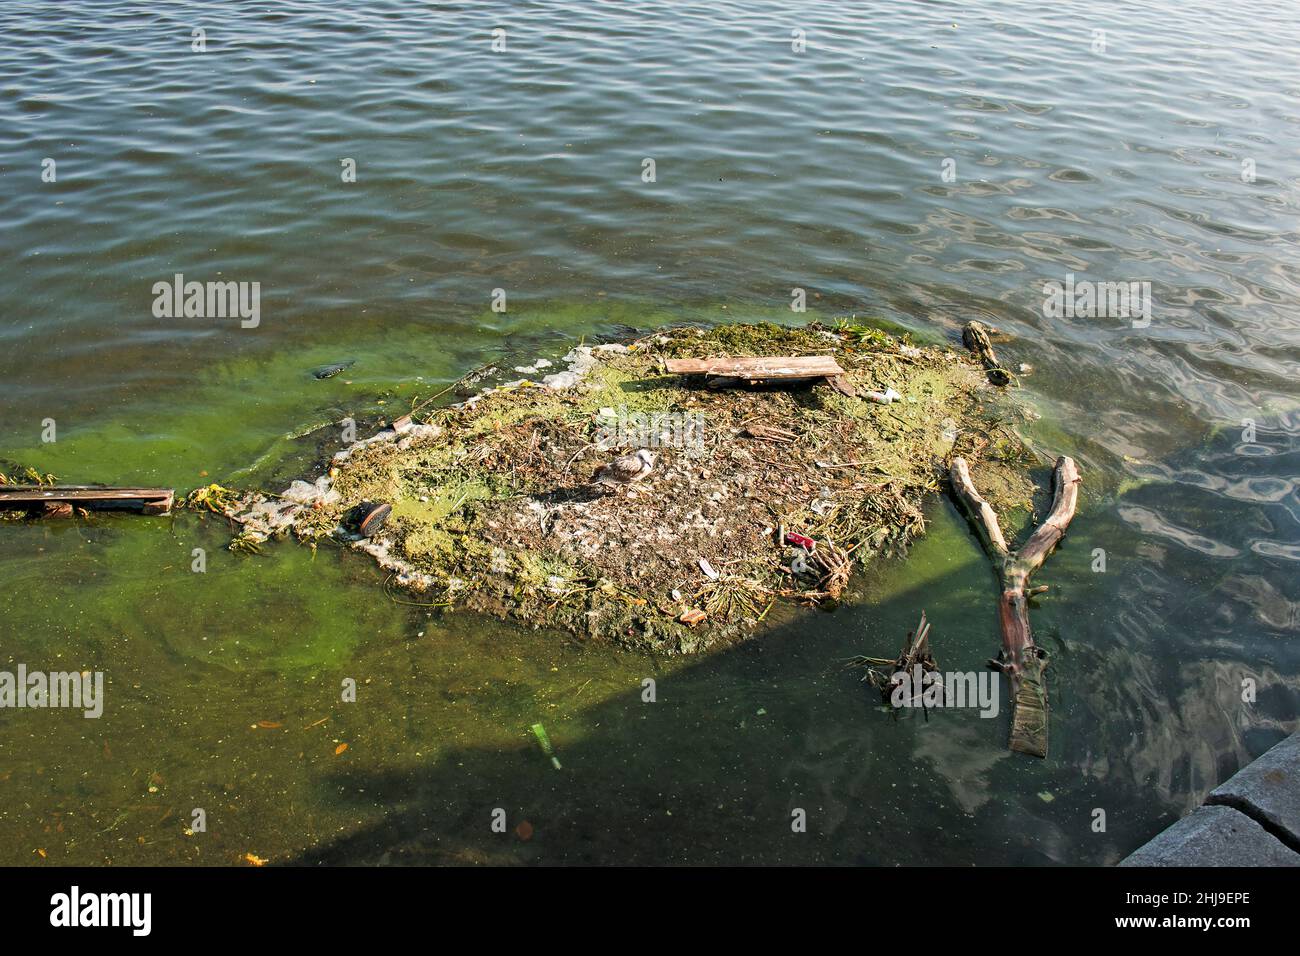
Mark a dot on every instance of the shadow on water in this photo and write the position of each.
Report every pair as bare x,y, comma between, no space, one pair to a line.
1150,655
714,769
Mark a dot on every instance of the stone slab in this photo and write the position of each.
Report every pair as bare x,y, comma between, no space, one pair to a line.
1268,790
1214,836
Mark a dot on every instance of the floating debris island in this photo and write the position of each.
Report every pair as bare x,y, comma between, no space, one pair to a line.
754,490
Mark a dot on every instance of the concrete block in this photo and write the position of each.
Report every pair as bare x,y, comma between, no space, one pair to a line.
1268,791
1214,836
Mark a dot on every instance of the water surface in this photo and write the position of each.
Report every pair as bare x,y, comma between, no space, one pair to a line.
521,170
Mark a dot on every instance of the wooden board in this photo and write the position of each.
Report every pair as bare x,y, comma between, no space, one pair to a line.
27,497
760,368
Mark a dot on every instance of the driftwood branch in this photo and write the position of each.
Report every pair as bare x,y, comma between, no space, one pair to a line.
978,508
1021,660
978,337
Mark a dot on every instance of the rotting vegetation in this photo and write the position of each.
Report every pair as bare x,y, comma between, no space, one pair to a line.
12,473
494,510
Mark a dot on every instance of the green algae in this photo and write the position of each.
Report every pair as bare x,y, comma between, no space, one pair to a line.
126,589
193,660
261,416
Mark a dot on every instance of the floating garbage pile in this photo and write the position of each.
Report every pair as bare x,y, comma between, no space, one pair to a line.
754,492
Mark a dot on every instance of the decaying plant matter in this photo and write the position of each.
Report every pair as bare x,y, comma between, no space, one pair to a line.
758,494
887,675
978,337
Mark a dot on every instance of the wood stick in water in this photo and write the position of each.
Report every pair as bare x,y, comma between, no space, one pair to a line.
1020,659
977,338
150,501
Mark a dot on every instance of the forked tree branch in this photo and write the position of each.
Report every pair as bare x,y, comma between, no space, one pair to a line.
1020,659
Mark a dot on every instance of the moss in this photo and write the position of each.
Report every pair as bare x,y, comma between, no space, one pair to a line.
608,385
429,544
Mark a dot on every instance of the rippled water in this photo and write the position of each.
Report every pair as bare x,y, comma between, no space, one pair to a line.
1167,157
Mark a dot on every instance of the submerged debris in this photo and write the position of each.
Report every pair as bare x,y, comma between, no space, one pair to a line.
778,489
46,498
892,676
329,371
544,741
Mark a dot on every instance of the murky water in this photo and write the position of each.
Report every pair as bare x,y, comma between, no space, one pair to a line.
1168,157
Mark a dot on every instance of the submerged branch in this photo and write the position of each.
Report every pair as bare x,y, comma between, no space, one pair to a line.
1021,660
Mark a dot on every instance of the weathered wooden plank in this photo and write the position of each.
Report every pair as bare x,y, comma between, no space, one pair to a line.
26,497
38,493
759,367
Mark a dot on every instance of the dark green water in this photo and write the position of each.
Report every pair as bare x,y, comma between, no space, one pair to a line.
522,170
